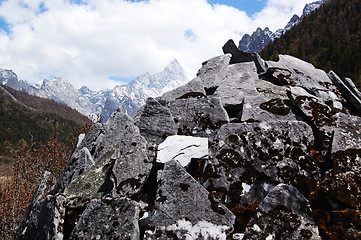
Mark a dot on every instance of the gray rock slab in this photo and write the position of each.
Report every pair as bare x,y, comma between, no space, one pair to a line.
273,152
195,86
199,116
213,71
266,109
183,206
340,183
315,111
295,72
155,122
108,219
347,93
239,81
284,214
350,84
239,56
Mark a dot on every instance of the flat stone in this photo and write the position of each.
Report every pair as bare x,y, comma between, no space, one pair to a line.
266,109
108,219
239,56
295,72
199,116
284,214
195,86
239,81
349,94
184,206
182,149
213,71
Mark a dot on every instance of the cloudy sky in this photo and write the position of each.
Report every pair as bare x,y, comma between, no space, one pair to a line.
99,43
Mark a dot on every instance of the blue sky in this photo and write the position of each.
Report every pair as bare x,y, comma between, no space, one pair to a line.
103,42
250,6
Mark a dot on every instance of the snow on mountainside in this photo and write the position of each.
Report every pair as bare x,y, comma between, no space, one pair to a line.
128,97
260,38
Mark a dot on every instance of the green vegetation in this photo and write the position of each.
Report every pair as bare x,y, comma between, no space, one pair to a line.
329,38
38,121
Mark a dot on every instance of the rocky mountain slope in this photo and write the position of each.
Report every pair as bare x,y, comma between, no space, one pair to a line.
320,41
260,38
130,96
249,149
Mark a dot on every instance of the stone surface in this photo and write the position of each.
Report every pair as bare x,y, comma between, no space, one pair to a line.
108,219
182,201
195,86
155,122
347,93
315,111
213,71
239,82
182,149
239,56
259,109
268,89
295,72
198,116
284,214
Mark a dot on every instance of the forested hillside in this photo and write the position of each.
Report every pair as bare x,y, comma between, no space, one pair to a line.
329,38
27,120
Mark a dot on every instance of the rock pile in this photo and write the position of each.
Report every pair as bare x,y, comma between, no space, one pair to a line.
249,149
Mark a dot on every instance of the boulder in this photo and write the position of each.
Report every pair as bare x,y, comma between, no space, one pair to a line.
155,122
108,219
184,208
341,183
268,89
239,56
213,72
239,81
315,112
284,214
182,149
295,72
194,87
199,116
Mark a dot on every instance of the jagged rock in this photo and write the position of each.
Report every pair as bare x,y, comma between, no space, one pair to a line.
239,82
315,111
198,116
194,87
45,220
284,214
295,72
342,181
108,219
273,152
79,160
349,83
239,56
213,72
347,93
266,109
155,122
184,208
182,149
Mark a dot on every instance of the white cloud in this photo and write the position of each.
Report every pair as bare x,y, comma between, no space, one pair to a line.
89,43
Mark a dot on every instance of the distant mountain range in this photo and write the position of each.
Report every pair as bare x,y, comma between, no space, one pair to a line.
260,38
127,97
